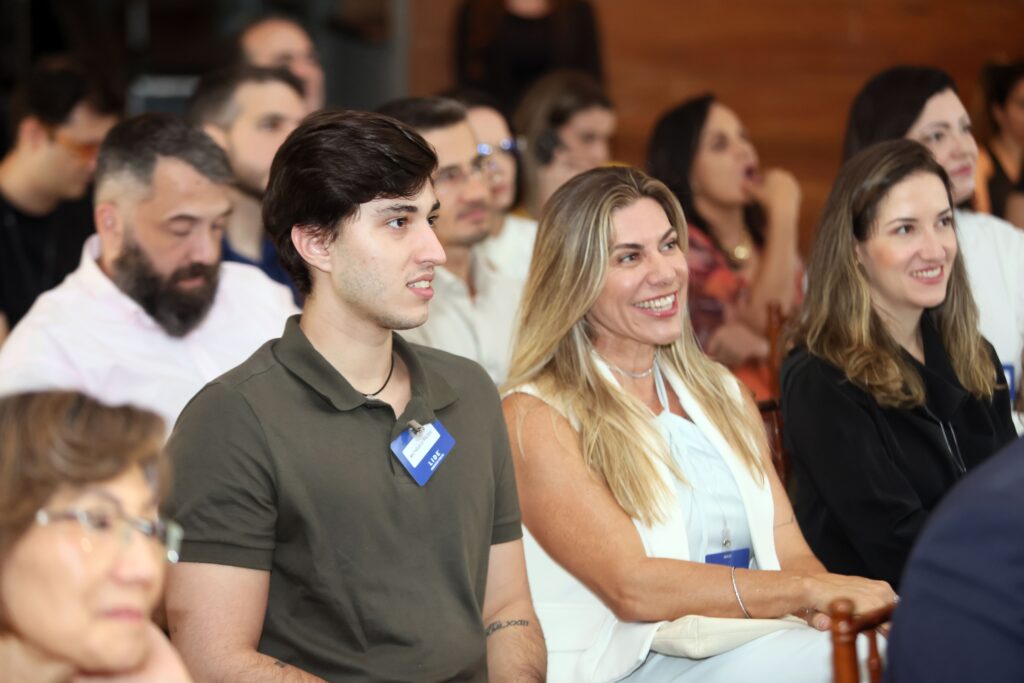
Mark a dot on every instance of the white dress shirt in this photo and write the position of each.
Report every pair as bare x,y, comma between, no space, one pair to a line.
993,252
479,328
511,250
88,335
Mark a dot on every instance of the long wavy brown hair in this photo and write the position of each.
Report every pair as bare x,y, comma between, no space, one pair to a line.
554,346
838,322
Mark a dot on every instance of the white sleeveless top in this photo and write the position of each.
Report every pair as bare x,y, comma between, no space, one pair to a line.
586,642
709,500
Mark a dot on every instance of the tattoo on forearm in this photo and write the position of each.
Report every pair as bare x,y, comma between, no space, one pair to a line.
498,625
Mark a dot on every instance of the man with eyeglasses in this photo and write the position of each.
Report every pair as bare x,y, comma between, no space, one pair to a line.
473,314
509,245
59,115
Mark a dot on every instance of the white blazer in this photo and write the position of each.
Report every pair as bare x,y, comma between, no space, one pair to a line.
586,642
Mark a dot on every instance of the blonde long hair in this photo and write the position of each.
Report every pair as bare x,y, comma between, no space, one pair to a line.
554,345
838,322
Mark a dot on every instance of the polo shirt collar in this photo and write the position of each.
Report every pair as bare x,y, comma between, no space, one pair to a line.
295,352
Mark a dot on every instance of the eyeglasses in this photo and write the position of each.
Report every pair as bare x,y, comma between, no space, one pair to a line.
507,145
85,151
454,178
105,526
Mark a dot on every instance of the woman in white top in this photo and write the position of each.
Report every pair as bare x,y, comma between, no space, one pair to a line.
643,474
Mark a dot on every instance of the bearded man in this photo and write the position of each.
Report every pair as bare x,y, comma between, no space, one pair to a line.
151,314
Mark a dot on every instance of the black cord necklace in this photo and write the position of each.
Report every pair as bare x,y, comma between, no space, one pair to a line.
386,379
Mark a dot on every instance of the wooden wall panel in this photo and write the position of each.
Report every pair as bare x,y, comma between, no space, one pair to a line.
788,67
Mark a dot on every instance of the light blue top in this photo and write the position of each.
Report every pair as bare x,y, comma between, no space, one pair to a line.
709,498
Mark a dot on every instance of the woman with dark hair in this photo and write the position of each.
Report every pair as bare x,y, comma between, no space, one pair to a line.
1000,162
921,103
642,467
743,232
82,549
891,395
565,123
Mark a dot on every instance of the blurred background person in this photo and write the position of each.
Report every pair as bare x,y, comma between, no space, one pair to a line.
150,315
891,395
960,618
503,46
249,111
922,104
565,123
642,467
744,230
82,548
59,116
509,245
278,41
1001,160
474,307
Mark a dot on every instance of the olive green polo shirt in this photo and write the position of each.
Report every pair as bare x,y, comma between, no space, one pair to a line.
281,465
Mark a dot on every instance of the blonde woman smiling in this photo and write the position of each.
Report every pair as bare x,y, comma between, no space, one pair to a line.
642,468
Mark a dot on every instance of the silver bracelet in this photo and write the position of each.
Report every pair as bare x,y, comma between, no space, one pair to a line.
738,598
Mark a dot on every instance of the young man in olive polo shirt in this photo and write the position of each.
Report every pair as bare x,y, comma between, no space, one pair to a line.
326,538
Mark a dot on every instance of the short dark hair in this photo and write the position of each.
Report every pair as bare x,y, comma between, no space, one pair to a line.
887,106
213,99
330,165
54,87
135,145
424,114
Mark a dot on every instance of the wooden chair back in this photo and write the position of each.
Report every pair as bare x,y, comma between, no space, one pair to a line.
774,333
846,626
771,415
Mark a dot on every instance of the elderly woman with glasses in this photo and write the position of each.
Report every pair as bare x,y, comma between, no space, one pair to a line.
82,548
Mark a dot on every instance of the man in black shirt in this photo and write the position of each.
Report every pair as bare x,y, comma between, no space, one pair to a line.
58,118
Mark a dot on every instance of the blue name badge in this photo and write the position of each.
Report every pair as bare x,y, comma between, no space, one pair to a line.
421,451
1011,380
739,558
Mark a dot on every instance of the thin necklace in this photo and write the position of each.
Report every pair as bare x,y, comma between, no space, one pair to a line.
629,373
386,379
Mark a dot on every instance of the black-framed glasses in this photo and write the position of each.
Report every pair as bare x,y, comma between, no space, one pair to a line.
113,524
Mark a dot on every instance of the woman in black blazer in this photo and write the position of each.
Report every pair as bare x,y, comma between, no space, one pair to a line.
891,395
